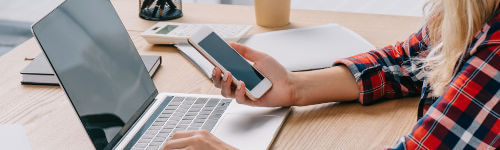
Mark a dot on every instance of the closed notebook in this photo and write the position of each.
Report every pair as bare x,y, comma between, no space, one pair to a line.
39,71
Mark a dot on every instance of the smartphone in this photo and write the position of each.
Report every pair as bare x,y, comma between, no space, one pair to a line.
220,54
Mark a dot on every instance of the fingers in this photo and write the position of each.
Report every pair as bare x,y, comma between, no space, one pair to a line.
239,94
226,89
216,77
247,52
178,143
185,139
183,134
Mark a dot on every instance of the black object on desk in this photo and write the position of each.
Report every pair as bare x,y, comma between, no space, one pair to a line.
38,72
160,9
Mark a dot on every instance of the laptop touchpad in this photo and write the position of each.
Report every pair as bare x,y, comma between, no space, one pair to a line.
248,131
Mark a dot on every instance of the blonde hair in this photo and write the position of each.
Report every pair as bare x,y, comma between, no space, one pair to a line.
452,25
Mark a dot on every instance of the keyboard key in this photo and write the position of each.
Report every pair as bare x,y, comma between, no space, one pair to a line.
188,118
197,106
201,101
202,116
172,122
177,99
219,111
182,110
140,145
199,121
147,136
152,132
209,125
177,114
168,111
170,127
212,102
191,113
177,129
159,139
158,123
190,100
185,122
170,108
196,125
193,128
164,115
153,147
205,112
184,105
181,126
143,140
166,130
208,109
161,119
215,116
174,103
155,127
194,109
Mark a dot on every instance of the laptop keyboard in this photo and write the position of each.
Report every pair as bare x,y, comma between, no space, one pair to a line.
182,113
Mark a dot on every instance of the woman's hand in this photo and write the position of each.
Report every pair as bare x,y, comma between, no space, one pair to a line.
196,140
281,92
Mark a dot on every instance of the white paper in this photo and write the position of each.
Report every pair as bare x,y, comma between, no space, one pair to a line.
12,136
196,59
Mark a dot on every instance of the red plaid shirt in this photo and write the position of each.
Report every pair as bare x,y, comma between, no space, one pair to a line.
466,116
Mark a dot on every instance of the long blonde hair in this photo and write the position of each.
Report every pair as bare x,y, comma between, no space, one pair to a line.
452,25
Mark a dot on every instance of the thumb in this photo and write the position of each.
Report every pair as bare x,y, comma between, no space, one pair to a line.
247,52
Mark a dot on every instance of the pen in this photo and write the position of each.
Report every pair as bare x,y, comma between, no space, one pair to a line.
160,4
171,4
146,4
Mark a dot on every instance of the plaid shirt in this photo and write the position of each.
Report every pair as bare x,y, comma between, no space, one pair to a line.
466,116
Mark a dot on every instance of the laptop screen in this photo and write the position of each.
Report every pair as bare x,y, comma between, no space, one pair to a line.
97,65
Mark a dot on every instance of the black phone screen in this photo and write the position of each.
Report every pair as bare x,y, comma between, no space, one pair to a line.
226,56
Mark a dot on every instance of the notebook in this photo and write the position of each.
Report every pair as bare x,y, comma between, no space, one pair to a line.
298,49
39,71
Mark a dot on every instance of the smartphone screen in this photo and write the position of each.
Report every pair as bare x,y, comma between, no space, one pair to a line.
231,60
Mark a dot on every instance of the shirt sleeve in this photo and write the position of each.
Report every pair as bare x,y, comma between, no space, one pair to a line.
467,115
389,72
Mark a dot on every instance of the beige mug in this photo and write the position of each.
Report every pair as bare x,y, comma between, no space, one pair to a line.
272,13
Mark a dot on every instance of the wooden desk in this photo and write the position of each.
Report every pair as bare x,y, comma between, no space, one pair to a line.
51,123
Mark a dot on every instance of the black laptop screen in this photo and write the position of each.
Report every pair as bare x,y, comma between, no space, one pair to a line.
97,65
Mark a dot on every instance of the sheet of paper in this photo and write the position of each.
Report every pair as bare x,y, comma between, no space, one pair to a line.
12,136
196,59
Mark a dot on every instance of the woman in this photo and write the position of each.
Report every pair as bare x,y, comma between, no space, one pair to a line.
453,62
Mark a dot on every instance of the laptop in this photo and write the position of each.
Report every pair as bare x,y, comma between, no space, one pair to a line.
102,74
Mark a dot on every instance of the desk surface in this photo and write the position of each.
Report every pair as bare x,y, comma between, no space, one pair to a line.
51,123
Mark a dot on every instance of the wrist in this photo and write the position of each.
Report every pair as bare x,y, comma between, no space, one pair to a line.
296,88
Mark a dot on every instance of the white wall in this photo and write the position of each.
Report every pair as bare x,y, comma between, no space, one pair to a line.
391,7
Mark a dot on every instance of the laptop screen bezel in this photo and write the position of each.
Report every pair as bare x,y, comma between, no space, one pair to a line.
116,139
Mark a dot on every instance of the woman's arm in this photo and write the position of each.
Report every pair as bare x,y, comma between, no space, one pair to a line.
390,72
326,85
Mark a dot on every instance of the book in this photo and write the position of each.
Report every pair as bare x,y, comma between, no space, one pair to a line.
39,72
298,49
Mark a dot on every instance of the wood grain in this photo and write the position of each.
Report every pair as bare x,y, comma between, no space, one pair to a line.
51,122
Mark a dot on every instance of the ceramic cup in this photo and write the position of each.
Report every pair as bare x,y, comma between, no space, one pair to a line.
272,13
